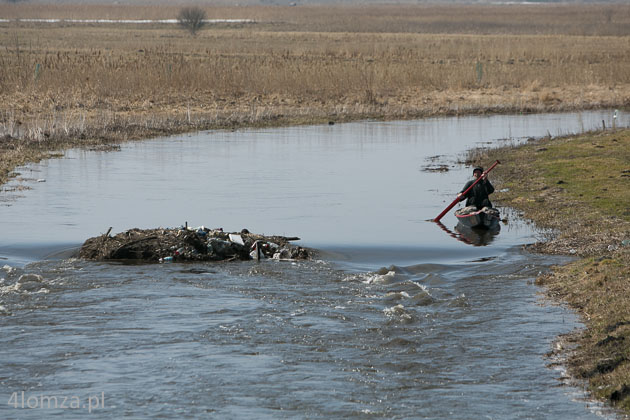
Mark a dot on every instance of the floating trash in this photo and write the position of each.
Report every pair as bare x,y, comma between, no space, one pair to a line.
190,244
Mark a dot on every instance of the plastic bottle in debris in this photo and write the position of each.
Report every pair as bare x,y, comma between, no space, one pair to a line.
166,259
256,251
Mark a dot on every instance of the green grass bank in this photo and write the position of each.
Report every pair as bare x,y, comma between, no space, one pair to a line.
577,188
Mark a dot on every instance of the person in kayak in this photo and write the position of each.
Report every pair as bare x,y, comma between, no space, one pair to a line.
478,195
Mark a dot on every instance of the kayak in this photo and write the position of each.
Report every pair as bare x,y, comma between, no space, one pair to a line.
486,218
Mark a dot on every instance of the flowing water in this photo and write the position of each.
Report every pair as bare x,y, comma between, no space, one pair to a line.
396,318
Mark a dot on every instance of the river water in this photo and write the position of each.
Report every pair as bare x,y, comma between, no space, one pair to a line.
396,318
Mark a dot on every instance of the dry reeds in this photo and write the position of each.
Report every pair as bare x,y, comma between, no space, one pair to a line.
230,64
56,78
541,19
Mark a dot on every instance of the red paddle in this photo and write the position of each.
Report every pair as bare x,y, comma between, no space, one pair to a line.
437,219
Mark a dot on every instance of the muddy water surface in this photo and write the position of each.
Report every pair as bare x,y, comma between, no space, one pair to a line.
396,319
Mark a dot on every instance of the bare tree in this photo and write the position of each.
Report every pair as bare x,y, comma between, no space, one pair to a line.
192,19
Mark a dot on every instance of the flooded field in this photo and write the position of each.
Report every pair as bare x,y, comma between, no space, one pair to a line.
396,318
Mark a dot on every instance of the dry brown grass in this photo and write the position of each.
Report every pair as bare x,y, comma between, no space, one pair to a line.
301,64
553,19
59,70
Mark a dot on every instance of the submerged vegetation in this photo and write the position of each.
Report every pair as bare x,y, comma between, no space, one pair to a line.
579,188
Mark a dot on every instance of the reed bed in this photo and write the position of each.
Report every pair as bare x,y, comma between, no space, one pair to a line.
58,69
300,65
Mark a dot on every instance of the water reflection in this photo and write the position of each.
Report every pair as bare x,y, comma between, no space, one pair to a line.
358,184
397,320
471,236
477,236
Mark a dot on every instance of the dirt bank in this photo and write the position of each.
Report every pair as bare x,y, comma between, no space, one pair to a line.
38,135
70,84
578,188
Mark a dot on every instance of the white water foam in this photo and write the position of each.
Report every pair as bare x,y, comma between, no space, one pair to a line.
398,312
373,278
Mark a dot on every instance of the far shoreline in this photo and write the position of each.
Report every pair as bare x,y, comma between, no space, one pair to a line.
23,147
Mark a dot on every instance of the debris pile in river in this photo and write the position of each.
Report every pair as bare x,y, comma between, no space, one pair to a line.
188,244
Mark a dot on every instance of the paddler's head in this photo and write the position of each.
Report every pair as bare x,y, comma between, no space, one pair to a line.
477,171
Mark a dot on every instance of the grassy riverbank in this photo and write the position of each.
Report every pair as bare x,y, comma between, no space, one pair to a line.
71,84
579,187
66,84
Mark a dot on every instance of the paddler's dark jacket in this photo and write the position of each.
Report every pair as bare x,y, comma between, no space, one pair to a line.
478,195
